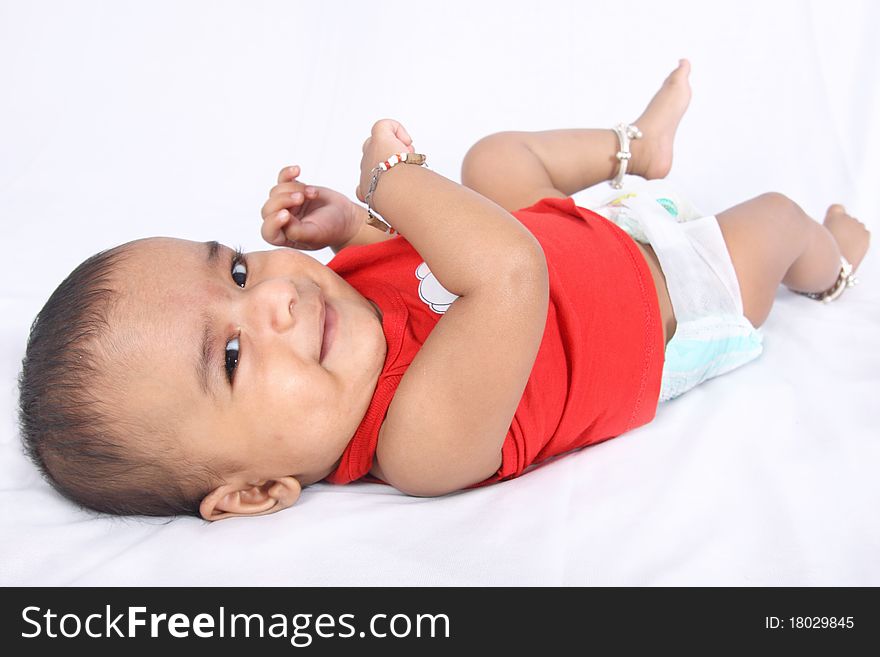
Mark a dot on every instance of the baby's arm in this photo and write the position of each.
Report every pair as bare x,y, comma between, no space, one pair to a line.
446,425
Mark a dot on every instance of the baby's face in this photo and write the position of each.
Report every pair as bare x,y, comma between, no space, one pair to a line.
268,362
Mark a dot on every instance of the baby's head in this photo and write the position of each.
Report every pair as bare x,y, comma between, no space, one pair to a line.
168,377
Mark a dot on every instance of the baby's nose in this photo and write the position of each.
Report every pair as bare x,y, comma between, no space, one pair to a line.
277,300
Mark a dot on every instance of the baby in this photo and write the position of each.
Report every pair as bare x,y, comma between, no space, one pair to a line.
495,325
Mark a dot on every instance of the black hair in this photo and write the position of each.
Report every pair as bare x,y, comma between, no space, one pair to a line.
70,426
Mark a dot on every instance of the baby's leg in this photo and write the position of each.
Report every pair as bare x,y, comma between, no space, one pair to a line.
771,241
516,169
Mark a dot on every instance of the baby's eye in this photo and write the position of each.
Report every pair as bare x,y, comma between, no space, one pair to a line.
239,269
232,354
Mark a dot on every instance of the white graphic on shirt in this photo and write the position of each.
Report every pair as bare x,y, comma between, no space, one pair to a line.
431,292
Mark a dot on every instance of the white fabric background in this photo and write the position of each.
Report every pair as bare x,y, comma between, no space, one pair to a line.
120,120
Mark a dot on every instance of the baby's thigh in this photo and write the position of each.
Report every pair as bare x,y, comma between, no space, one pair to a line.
763,239
503,169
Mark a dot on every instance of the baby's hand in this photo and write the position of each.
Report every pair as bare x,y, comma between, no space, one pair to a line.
387,138
306,216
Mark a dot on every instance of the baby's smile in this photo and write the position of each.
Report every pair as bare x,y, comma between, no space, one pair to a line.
328,329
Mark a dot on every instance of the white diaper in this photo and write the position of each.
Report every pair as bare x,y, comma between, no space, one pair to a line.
712,335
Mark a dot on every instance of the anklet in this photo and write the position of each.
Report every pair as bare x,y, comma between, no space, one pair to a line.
624,134
845,279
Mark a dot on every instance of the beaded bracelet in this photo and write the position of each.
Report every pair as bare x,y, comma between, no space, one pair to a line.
373,219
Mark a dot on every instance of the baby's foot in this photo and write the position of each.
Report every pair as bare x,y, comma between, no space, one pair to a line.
652,154
851,235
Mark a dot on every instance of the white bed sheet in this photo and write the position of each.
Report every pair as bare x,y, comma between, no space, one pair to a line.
121,120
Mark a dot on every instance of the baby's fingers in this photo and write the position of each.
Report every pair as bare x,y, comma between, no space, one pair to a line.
283,229
277,203
288,188
272,229
303,234
288,195
401,133
289,173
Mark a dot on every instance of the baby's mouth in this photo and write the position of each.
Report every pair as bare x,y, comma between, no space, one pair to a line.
328,327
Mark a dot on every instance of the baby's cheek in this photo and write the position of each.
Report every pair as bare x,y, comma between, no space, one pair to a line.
299,392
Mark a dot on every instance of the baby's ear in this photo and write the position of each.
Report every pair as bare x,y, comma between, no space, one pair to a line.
243,499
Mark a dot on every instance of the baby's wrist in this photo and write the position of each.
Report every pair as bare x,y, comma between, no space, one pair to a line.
355,216
378,221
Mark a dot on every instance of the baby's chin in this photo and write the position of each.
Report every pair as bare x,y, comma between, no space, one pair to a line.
308,480
357,334
323,464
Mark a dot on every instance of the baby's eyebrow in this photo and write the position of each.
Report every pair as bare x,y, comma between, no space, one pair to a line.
207,353
213,249
206,358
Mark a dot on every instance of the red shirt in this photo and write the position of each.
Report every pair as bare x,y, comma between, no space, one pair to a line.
597,371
